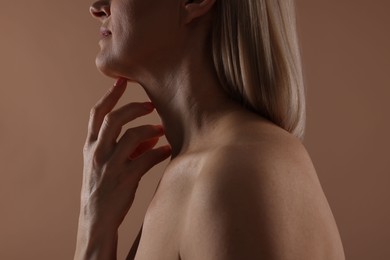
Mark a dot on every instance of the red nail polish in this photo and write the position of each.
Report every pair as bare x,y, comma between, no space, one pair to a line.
160,128
149,105
120,82
167,149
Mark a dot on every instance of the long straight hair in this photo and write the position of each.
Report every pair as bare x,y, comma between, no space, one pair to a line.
257,59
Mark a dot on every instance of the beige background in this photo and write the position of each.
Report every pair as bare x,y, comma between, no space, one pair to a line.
49,82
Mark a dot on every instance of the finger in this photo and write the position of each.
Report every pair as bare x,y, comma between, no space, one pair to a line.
132,138
104,106
113,122
149,159
143,147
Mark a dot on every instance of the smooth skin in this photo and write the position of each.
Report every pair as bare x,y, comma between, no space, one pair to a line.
237,186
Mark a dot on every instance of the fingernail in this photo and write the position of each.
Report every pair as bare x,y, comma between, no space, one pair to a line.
120,82
149,105
160,128
167,149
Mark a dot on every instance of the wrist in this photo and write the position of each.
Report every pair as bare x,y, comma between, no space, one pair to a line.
95,241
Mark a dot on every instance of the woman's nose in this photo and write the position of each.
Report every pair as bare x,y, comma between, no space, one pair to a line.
100,9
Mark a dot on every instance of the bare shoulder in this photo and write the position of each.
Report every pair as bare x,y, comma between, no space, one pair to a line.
258,197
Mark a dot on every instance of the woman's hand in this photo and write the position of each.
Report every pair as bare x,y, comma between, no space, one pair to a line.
112,171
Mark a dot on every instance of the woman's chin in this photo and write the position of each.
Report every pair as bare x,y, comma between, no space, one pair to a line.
106,67
114,70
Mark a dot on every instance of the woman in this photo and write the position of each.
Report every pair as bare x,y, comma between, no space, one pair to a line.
225,78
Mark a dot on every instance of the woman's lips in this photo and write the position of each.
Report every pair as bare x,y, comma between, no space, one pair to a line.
104,32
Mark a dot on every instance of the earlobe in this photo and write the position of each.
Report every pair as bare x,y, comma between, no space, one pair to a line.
197,8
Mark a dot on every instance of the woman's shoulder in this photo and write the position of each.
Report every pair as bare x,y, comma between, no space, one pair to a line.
260,155
264,181
263,157
257,142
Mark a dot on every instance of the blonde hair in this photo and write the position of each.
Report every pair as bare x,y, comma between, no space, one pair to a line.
257,59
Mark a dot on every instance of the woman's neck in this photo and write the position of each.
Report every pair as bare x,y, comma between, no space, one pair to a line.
189,99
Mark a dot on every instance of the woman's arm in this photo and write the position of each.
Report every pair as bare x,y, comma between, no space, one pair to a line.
112,171
95,242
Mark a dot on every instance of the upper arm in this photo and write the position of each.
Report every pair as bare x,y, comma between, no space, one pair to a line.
221,224
245,207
